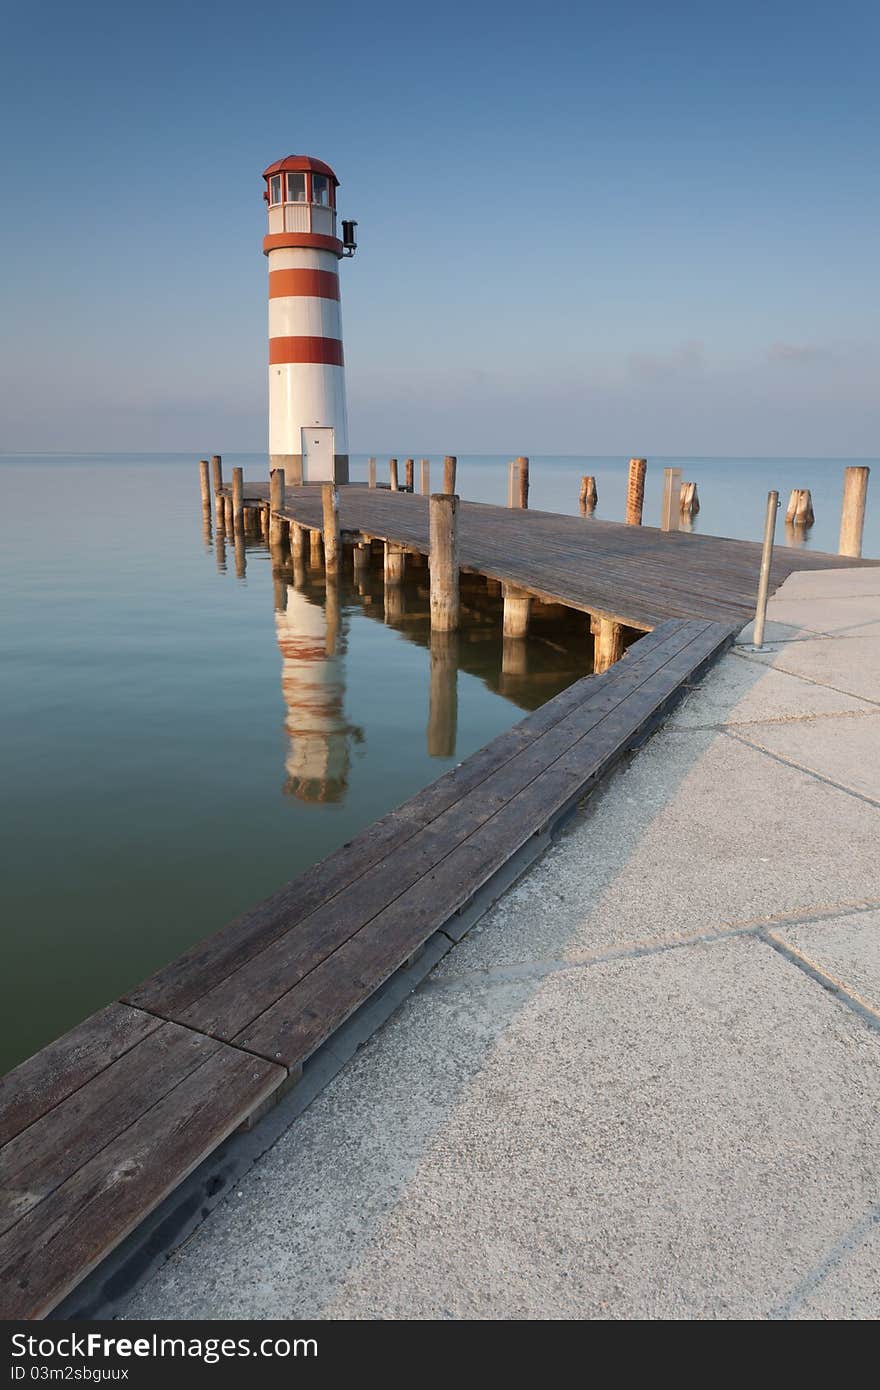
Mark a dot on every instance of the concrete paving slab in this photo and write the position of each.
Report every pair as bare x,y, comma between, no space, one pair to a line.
850,665
739,692
834,615
848,1285
844,750
660,853
831,583
684,1136
778,632
848,949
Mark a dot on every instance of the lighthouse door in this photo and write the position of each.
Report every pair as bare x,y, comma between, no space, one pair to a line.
318,449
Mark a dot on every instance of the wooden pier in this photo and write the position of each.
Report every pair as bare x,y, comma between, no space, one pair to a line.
100,1126
637,576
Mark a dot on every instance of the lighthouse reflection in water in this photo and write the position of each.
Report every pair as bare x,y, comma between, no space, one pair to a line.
368,720
313,683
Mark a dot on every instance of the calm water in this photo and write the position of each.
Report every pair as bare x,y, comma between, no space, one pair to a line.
178,741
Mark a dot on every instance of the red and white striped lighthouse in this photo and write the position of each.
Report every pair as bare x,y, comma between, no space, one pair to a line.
308,427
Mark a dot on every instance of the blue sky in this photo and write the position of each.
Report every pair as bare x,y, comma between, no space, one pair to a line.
584,228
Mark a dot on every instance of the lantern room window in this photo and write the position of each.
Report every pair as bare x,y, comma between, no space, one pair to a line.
296,188
321,190
275,189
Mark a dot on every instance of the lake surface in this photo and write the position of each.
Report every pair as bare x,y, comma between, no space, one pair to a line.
178,741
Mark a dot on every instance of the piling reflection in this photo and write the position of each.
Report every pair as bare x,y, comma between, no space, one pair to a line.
443,695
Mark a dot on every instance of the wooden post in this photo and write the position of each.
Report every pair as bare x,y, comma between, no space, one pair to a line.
445,603
205,486
361,559
371,472
297,543
276,505
443,694
607,643
237,499
330,509
449,470
522,482
517,608
589,496
635,491
799,511
425,477
395,563
392,469
409,481
217,477
265,524
227,512
852,520
315,549
671,500
690,502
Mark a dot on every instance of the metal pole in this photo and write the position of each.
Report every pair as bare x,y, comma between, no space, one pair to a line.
766,561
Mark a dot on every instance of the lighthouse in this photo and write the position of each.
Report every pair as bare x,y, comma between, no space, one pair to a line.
308,426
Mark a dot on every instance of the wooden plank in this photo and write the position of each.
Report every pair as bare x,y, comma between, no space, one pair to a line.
47,1078
50,1150
318,1004
247,992
58,1242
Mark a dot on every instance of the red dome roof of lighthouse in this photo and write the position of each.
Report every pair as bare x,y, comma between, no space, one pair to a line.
300,164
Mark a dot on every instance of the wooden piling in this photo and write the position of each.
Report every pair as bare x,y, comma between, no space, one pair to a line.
238,499
443,694
315,550
297,543
330,516
799,511
276,505
371,472
450,465
517,609
852,520
588,496
217,478
518,483
392,469
425,477
394,563
361,561
445,602
227,514
607,643
205,486
265,524
635,491
690,502
409,481
671,509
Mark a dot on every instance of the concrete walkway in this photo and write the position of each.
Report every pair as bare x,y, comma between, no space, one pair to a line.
647,1084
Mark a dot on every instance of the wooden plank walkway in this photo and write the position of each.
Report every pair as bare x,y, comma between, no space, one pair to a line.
636,575
97,1128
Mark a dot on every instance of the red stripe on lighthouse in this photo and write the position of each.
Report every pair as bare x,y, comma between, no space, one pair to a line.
317,284
282,350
